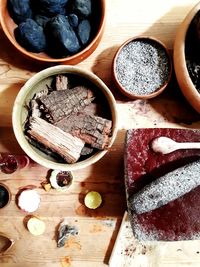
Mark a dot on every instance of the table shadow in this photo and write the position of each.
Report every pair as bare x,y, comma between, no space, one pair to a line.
13,57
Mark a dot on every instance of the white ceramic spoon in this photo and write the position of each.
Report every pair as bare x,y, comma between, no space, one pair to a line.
166,145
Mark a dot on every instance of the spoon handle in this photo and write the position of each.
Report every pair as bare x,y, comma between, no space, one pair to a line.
188,145
166,145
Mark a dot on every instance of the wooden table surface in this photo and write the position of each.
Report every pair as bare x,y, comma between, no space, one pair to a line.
97,229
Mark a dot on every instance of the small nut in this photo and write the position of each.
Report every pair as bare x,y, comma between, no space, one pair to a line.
46,186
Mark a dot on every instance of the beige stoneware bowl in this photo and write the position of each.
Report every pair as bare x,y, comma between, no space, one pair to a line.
186,85
36,84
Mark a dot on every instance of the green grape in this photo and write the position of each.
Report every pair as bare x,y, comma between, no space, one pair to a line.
93,200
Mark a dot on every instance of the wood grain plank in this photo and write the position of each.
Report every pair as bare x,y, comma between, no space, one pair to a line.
98,229
129,252
43,249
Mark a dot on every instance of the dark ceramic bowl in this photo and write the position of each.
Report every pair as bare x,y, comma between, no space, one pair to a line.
141,94
8,26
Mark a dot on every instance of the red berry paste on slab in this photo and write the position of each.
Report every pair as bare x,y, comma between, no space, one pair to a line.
179,219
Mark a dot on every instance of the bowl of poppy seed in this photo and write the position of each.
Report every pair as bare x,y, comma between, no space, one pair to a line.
65,118
142,67
65,31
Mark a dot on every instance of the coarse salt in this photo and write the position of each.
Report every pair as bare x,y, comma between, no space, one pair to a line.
29,200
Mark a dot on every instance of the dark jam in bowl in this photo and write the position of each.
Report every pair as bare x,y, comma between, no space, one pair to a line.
9,164
63,178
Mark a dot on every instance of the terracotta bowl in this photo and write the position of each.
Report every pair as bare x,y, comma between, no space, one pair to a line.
186,85
9,195
8,26
121,87
38,82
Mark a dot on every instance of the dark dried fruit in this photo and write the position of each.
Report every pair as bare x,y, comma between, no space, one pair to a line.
31,36
41,20
4,196
51,8
61,38
82,7
19,10
73,20
84,31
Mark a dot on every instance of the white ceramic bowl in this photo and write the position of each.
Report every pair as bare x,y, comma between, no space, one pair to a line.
35,84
